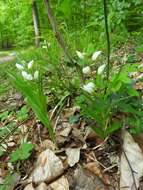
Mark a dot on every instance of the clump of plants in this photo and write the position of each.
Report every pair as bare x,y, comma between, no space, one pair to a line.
111,102
28,80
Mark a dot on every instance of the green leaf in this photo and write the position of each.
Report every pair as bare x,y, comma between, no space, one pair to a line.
35,98
10,181
22,114
66,7
73,119
113,127
116,87
4,115
1,152
132,92
99,131
22,153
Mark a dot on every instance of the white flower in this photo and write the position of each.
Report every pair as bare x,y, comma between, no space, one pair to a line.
48,44
95,55
36,75
44,47
89,87
20,67
80,55
86,70
140,66
26,75
30,64
101,69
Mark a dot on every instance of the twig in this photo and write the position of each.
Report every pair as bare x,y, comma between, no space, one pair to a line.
101,144
109,168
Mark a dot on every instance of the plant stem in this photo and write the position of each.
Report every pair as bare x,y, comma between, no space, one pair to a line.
108,38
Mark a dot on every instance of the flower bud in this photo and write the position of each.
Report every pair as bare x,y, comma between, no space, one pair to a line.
36,75
95,55
20,67
89,87
26,75
30,64
86,70
101,69
80,55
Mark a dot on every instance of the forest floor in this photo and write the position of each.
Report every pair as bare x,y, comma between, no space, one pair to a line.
80,160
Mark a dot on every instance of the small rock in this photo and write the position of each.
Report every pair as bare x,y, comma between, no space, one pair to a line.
85,180
48,167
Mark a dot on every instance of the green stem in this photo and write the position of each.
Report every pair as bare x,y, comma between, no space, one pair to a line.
108,38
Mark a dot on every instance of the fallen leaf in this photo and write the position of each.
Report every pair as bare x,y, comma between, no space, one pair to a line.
94,168
66,113
48,144
77,134
61,184
48,167
131,163
73,155
138,85
65,132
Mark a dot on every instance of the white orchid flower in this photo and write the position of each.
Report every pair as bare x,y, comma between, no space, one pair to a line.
89,87
48,44
30,64
86,70
140,66
80,55
19,67
36,75
95,55
101,69
26,75
44,47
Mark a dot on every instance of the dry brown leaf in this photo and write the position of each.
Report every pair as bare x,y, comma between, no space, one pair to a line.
131,163
48,144
61,184
65,132
77,134
94,168
73,155
138,86
69,112
48,167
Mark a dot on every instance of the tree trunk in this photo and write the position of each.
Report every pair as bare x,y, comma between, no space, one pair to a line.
36,23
